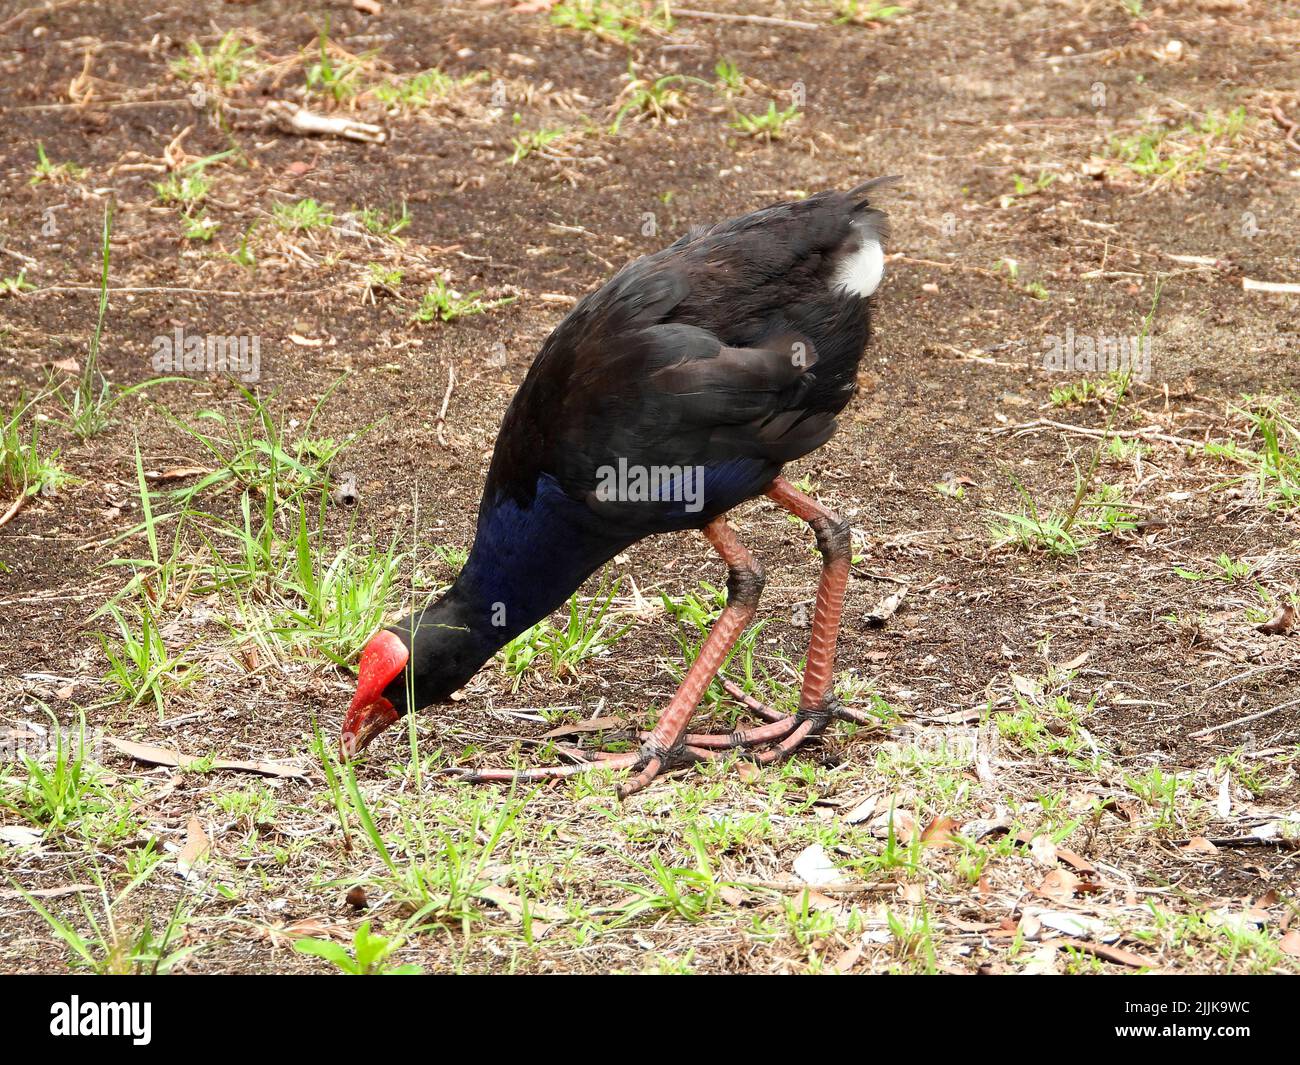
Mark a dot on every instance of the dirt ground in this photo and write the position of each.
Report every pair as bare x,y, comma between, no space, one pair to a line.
1085,761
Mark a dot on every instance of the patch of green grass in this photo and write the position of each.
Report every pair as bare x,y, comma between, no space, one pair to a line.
659,101
1032,529
199,227
106,946
766,125
24,470
1009,271
1022,187
588,632
384,223
1045,726
16,285
326,602
1228,570
536,141
228,62
186,189
383,279
1274,461
436,858
1161,791
369,955
1175,153
61,787
444,304
54,173
863,12
335,73
91,405
419,91
620,21
244,255
1063,533
140,666
302,216
255,452
730,79
688,892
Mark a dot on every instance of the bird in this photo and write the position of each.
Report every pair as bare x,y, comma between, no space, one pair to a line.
666,398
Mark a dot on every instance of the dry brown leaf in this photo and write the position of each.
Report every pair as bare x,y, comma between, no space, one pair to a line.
885,609
1043,850
166,756
175,473
1200,845
1074,663
197,847
594,724
50,892
814,866
513,906
1289,944
1280,623
904,825
1059,884
863,810
1108,953
939,832
1075,861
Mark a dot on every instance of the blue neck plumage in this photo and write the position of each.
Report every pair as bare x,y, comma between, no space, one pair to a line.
527,561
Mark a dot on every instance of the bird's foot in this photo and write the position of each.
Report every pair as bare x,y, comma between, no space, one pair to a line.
771,742
837,710
648,762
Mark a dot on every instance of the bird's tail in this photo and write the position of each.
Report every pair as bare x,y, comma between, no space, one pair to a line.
861,194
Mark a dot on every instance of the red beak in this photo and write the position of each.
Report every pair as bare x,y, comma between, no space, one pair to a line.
382,661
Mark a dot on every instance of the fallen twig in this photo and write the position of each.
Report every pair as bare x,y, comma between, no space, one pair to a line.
294,119
13,510
441,424
754,20
1251,285
1242,720
1143,433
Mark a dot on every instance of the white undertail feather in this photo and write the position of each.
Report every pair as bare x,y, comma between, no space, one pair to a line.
860,272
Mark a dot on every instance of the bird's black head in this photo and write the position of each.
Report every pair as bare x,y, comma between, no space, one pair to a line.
419,661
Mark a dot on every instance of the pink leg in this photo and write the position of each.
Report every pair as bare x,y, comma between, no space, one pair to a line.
667,745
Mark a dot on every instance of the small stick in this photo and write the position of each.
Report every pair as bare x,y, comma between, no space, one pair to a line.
1251,285
294,119
1082,430
441,423
14,508
754,20
1243,720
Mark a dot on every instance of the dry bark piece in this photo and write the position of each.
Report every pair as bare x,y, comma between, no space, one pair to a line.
885,609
